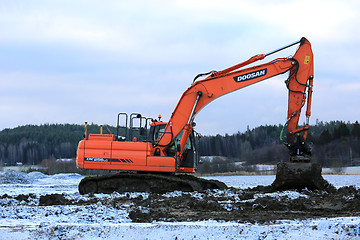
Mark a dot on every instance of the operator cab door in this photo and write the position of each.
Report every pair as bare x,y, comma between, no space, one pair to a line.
190,154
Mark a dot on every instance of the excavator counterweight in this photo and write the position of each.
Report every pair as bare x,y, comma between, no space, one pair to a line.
157,154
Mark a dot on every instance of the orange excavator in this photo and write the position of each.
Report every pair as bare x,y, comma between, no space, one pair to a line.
153,155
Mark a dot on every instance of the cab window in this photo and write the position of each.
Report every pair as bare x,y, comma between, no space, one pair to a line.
158,131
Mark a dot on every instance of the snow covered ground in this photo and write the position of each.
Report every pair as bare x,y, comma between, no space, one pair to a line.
343,170
253,181
22,217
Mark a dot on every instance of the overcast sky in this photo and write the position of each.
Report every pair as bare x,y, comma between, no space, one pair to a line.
76,61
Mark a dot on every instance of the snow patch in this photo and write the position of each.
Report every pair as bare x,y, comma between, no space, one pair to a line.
279,195
15,177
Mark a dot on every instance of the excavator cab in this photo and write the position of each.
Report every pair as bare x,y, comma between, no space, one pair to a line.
137,128
190,156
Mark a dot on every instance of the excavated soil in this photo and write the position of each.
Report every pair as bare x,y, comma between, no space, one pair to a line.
250,205
260,204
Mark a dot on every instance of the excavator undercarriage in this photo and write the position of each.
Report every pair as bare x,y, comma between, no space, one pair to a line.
147,182
162,155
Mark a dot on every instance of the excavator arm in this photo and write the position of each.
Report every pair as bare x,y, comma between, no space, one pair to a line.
217,84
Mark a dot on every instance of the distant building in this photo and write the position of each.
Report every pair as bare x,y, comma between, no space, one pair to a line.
64,160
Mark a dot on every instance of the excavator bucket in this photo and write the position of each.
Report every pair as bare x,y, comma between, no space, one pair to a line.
300,175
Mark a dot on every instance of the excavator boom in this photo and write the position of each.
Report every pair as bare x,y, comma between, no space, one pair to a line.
217,84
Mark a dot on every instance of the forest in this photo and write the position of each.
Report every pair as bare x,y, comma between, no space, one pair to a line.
334,143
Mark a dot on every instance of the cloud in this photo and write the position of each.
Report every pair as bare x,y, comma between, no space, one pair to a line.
41,27
70,61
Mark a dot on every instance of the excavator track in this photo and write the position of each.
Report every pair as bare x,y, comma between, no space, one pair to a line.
146,182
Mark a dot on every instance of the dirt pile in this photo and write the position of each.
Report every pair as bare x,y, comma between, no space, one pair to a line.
54,199
21,198
300,176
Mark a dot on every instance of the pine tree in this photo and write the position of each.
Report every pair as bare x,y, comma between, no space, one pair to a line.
325,137
356,130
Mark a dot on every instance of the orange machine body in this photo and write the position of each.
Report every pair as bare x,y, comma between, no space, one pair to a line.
103,152
174,149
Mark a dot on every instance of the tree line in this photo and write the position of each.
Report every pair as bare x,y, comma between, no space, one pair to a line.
31,144
334,143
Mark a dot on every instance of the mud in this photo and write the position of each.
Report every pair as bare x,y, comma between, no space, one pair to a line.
26,198
260,204
250,205
300,176
54,199
256,205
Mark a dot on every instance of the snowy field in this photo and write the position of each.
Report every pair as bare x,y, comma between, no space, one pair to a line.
22,217
253,181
